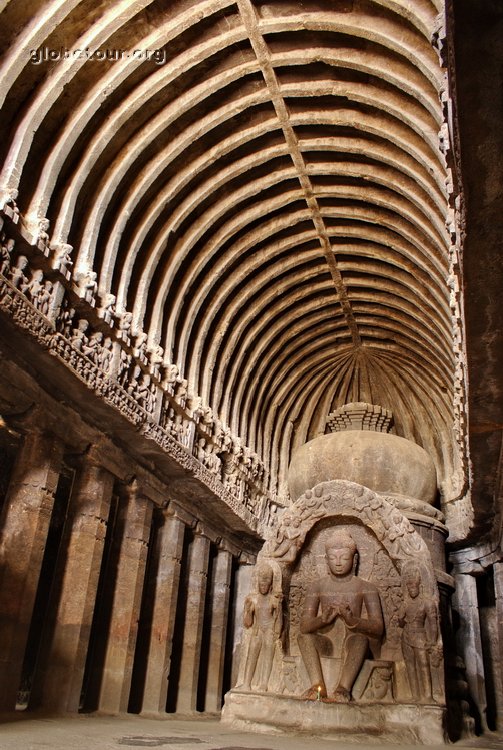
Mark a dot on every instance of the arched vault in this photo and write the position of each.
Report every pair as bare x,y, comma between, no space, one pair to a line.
267,186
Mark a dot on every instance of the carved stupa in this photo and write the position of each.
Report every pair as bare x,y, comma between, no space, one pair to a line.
362,448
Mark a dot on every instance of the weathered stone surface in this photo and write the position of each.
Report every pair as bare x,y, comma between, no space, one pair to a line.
422,725
380,461
59,679
193,625
465,603
268,210
344,609
25,520
130,555
163,590
220,596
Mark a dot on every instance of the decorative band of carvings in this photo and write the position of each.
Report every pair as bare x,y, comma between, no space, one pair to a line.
345,500
76,350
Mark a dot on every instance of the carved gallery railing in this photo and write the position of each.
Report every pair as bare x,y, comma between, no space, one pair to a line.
36,292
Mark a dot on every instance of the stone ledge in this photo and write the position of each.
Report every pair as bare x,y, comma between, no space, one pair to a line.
394,723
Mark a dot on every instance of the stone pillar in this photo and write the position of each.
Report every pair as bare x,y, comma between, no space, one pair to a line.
219,618
130,557
58,680
26,516
163,589
191,650
498,657
469,641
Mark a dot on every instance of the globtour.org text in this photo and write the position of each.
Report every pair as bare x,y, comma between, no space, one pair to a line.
46,54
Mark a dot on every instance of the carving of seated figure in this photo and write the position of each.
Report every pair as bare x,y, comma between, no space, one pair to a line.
264,620
339,595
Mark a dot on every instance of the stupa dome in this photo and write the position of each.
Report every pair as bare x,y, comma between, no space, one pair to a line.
362,450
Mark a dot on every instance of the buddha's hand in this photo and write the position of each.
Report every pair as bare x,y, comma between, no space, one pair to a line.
328,615
347,615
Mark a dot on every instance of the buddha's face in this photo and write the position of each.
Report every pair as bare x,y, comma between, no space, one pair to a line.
340,560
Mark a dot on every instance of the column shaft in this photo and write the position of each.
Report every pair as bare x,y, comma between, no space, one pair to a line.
191,650
58,680
163,588
219,618
25,521
498,657
130,557
465,602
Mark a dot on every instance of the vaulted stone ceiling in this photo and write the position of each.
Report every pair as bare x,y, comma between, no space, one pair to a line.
271,193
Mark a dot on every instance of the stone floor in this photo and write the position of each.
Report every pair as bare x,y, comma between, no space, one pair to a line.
91,732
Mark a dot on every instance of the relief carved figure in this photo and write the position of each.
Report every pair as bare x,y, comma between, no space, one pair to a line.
79,334
92,348
169,377
156,356
125,323
420,635
140,347
62,261
180,391
43,231
106,355
264,620
18,277
87,284
34,286
6,250
123,366
145,393
9,206
64,322
288,539
44,298
107,310
339,595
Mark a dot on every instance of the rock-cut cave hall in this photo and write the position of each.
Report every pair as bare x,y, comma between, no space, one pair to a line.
251,398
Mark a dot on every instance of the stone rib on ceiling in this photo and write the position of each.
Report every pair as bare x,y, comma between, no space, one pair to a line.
270,202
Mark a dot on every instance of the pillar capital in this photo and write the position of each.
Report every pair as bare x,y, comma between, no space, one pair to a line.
104,454
203,529
35,419
246,558
174,509
465,567
225,545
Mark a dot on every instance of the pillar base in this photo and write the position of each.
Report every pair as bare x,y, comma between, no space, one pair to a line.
383,722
